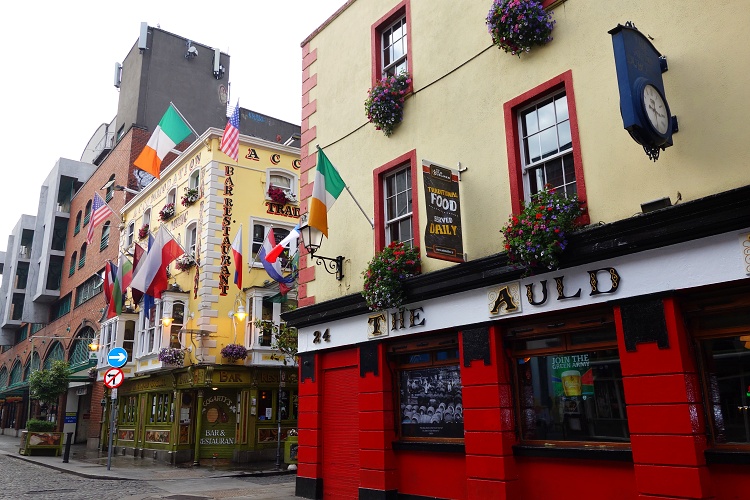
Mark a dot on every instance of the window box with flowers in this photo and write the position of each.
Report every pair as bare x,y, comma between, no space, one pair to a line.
167,212
143,232
385,102
191,196
537,236
171,356
518,25
280,196
234,352
184,262
385,275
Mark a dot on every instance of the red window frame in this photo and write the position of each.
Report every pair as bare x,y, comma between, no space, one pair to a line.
378,175
513,142
400,10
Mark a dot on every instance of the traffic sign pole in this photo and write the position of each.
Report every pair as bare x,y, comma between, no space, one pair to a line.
111,427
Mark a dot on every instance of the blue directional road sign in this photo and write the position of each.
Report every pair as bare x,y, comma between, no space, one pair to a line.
117,357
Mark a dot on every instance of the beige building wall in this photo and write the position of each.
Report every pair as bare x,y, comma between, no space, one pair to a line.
456,113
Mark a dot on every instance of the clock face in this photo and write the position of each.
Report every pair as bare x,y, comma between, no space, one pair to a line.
655,109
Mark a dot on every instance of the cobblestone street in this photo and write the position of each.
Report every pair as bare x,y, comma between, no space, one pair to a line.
22,479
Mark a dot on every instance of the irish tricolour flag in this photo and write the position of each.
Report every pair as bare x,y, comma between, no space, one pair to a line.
171,131
326,189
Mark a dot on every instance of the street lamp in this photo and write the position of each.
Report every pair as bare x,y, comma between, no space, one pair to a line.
312,238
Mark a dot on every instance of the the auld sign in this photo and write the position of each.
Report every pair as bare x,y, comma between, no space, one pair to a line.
508,299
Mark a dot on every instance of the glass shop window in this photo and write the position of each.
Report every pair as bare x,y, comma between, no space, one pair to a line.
722,339
265,405
569,384
429,390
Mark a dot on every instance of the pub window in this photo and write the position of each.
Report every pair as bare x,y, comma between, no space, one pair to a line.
429,389
569,383
129,410
162,408
722,336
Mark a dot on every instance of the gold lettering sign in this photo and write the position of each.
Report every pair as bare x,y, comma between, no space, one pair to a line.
505,300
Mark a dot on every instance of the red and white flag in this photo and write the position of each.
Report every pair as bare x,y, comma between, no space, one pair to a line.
237,255
151,275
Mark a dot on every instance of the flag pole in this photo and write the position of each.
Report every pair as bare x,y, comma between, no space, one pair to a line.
372,224
189,126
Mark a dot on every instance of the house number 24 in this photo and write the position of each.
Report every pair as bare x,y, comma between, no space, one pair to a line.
317,336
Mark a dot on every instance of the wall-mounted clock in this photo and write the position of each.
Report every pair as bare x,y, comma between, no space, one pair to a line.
643,103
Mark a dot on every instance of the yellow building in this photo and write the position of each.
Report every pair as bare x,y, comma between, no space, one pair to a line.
625,362
182,399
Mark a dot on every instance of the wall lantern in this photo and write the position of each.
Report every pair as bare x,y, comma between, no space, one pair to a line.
312,239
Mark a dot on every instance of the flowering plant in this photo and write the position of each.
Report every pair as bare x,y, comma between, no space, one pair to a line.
234,352
517,25
278,195
537,236
167,212
171,355
184,262
191,196
143,231
385,275
385,103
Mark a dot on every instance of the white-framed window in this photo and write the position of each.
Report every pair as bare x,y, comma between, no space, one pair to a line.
260,229
172,196
191,238
284,180
107,340
267,307
195,180
130,234
149,330
394,48
147,217
397,203
546,146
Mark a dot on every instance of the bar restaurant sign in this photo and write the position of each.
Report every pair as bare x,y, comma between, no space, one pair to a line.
442,238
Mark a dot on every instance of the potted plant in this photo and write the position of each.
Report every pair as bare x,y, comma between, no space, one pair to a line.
167,212
385,275
191,196
278,195
518,25
143,232
93,372
171,356
184,262
385,102
233,352
537,236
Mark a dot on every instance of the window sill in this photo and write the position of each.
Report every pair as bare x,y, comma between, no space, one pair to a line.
580,452
427,446
721,456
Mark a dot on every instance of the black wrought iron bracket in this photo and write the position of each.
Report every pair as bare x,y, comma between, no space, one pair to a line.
331,265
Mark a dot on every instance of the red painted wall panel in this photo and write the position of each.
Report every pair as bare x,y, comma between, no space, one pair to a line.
730,482
576,479
440,475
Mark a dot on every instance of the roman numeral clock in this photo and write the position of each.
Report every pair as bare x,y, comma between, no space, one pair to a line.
643,103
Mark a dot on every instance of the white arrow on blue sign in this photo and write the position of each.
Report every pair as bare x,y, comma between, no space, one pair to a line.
117,357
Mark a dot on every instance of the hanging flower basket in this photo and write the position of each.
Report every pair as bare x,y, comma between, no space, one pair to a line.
184,262
167,212
278,195
143,232
538,235
385,275
171,356
518,25
385,103
233,352
191,196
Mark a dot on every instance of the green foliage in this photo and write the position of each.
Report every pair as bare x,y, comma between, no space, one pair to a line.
385,275
385,102
48,385
36,425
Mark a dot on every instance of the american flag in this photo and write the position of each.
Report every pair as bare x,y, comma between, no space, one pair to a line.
230,141
99,213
